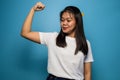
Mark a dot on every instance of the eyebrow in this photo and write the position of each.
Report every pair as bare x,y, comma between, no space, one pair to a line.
66,18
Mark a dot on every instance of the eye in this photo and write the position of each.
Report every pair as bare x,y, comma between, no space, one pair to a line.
69,20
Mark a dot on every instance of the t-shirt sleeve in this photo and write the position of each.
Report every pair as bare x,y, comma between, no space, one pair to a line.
89,56
43,37
46,37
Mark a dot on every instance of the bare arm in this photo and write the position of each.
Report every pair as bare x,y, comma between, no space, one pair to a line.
87,71
26,29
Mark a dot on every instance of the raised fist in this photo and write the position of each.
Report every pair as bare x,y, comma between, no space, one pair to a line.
39,6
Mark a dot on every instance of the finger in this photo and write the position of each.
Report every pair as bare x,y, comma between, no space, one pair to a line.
39,6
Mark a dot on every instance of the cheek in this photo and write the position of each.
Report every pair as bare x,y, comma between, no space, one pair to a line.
73,24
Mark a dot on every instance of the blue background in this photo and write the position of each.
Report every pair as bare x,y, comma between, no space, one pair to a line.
21,59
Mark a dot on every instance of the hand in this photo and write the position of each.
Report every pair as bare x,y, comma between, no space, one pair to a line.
39,6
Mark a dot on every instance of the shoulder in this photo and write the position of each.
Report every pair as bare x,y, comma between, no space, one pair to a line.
88,43
47,37
48,33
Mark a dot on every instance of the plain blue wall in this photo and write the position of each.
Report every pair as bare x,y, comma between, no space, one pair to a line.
21,59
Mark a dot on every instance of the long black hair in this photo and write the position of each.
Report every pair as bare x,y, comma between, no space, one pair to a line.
81,44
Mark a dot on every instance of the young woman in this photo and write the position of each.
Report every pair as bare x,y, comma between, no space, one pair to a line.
69,53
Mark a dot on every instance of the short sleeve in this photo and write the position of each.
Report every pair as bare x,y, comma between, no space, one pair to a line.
46,37
89,56
43,37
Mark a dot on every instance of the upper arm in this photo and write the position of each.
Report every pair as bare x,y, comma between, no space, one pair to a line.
87,67
87,71
33,36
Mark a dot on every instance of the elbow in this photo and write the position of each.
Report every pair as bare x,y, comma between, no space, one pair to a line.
22,34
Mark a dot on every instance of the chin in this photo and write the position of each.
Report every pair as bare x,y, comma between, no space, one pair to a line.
66,32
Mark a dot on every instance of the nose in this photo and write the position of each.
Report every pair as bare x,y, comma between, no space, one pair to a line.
64,22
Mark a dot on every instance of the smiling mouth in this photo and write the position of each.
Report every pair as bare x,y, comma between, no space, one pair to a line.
64,28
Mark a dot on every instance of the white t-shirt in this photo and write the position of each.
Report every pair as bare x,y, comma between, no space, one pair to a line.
61,61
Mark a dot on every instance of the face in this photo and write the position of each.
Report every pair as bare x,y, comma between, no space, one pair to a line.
68,23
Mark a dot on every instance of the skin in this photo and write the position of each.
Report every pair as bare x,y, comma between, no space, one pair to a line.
67,24
87,71
26,29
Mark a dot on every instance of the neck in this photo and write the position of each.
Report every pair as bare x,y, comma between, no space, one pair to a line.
71,34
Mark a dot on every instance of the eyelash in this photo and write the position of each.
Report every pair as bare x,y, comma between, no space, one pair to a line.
64,20
68,20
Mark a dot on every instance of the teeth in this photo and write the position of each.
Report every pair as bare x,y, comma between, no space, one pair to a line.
65,27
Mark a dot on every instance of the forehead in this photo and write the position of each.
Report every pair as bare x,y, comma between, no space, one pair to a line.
67,15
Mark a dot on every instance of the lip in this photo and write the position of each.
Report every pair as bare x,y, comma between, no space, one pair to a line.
64,28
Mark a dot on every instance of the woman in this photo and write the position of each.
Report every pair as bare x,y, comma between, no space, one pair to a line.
69,53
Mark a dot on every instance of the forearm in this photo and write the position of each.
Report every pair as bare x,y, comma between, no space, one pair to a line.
28,22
